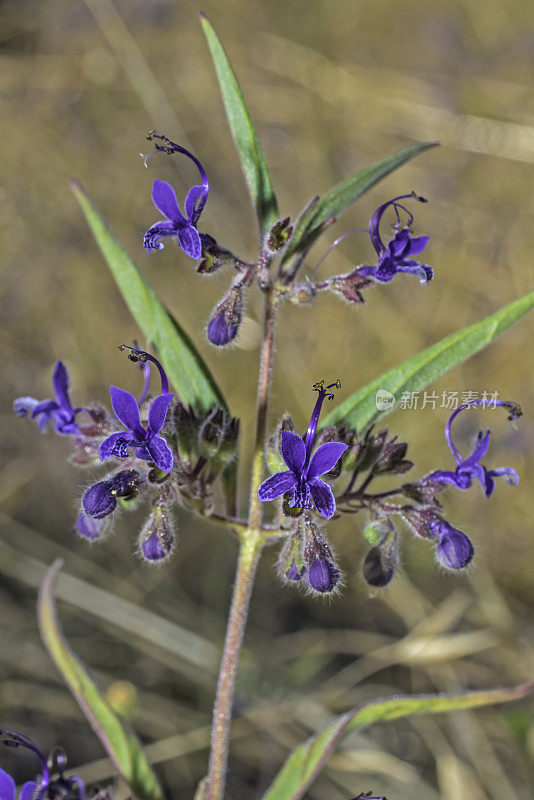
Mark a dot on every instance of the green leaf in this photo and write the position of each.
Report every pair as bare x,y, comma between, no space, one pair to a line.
341,196
244,133
412,375
120,744
185,367
305,763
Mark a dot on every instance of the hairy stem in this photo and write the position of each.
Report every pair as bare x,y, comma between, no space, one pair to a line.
251,543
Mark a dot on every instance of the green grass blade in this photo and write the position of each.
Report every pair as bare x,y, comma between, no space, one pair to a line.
306,762
120,744
244,133
360,411
185,367
341,196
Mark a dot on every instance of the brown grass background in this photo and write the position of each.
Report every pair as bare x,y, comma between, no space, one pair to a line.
332,87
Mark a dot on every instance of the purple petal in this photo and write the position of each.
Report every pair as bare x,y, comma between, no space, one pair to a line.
126,410
90,528
480,449
26,792
418,244
160,453
189,241
194,203
277,485
107,447
454,549
445,476
154,234
24,405
7,786
158,412
325,458
322,497
398,246
45,407
219,331
60,382
99,500
154,549
510,475
165,201
293,451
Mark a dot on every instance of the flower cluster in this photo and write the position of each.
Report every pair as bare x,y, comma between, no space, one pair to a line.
157,447
43,787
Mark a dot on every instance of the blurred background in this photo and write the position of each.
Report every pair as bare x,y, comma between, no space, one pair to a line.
332,87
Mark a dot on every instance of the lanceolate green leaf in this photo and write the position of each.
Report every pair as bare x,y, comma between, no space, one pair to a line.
120,744
341,196
306,762
360,409
244,133
185,367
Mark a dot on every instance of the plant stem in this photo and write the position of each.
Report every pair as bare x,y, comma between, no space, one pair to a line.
249,554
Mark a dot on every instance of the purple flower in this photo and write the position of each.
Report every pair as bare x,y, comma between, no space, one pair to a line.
59,411
100,500
302,479
470,468
454,549
175,224
148,445
43,787
395,256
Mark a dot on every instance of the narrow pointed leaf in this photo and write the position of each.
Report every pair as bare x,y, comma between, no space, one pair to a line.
185,367
417,372
341,196
244,133
306,762
120,744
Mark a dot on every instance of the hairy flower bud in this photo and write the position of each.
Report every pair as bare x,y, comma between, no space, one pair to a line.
213,256
381,560
291,561
101,498
322,574
371,449
392,459
156,541
226,317
89,527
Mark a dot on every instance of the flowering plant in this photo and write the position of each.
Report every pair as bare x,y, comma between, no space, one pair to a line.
180,448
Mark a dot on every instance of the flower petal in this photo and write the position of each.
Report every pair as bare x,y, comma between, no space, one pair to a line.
24,405
107,447
7,786
418,244
325,458
160,453
277,485
154,234
126,410
158,412
195,202
44,407
165,201
322,497
189,241
293,451
60,382
480,449
26,792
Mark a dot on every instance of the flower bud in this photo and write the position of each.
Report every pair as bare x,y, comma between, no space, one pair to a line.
99,500
279,235
89,527
371,449
156,541
455,549
291,561
226,317
323,574
381,560
392,459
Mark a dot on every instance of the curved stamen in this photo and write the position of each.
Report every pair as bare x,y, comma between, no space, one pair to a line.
136,354
335,244
314,419
513,408
374,222
170,148
14,739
